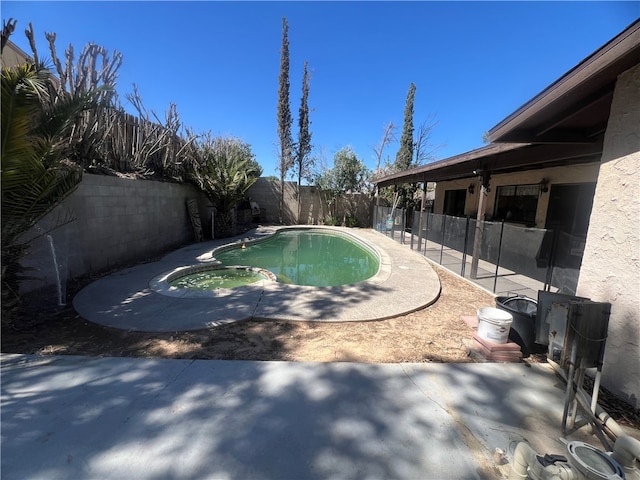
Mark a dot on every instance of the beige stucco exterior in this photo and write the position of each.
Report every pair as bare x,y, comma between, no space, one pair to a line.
13,55
589,119
583,173
610,269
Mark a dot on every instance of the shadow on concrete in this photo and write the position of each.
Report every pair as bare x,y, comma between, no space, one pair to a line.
77,417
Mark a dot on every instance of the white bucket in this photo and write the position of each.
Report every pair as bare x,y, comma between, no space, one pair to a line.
494,324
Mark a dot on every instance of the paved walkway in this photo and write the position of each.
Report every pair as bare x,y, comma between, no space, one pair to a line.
72,417
405,283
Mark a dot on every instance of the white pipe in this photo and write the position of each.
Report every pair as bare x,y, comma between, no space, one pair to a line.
56,268
523,456
596,391
610,426
626,451
568,396
526,465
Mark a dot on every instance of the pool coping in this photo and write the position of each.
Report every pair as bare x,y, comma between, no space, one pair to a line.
405,282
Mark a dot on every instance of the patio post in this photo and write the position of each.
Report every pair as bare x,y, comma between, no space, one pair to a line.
477,241
423,201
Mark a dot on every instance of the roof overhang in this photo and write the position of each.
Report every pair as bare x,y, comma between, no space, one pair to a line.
563,125
497,159
575,108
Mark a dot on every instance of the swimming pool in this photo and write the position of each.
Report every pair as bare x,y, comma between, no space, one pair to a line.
141,299
306,256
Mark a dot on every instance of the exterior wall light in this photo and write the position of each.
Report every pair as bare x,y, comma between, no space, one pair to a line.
544,185
471,188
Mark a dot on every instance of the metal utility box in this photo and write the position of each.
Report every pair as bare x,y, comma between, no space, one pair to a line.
572,323
545,301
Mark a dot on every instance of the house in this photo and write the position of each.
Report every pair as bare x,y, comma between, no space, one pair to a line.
569,160
13,55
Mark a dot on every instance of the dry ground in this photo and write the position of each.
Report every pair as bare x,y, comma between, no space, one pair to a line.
434,334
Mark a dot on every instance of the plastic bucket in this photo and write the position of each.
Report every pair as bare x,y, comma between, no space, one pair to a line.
523,310
494,324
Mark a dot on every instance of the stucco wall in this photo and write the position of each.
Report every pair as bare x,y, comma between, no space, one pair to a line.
611,264
583,173
13,55
116,221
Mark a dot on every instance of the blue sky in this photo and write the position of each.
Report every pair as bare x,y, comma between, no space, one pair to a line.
473,63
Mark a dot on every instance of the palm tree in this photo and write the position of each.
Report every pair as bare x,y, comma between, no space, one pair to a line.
224,169
36,174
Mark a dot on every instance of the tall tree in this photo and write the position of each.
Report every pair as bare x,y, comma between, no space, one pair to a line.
404,156
304,162
348,176
284,114
388,136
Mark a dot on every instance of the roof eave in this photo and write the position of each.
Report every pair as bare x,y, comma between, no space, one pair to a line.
626,43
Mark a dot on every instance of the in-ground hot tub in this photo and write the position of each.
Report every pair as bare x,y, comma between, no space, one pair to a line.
203,280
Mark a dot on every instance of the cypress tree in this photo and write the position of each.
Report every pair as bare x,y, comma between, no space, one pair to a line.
303,161
404,156
284,113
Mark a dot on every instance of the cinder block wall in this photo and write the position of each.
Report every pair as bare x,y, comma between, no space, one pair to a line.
116,221
314,208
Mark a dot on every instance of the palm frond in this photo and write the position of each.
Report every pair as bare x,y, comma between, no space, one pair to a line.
35,176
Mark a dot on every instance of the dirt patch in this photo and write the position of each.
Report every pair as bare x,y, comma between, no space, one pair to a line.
434,334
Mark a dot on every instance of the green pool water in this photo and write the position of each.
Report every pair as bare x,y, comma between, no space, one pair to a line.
217,278
307,257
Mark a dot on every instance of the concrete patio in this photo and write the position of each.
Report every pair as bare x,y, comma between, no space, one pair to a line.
68,418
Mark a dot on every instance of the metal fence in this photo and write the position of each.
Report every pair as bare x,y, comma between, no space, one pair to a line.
512,259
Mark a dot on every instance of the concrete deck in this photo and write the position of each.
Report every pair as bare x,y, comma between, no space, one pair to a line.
405,283
69,418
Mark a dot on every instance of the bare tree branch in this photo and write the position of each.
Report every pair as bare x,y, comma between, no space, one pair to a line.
424,150
32,42
389,134
7,29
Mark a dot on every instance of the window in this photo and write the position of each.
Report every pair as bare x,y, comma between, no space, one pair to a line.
454,202
517,203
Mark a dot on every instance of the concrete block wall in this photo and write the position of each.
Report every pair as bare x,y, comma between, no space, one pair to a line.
314,209
116,221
